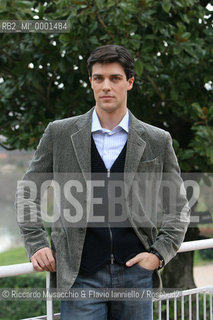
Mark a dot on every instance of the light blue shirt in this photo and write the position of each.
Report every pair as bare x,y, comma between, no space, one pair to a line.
109,142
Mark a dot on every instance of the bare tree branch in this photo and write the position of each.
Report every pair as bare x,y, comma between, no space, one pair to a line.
157,90
7,148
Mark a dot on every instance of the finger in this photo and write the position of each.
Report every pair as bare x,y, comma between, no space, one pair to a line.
36,266
51,261
42,264
38,259
44,261
41,259
134,260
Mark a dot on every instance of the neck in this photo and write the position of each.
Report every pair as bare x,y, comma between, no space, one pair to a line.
110,120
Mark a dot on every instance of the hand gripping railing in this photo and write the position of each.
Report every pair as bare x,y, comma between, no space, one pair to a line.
25,268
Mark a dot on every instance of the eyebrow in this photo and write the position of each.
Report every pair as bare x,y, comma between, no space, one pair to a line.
112,75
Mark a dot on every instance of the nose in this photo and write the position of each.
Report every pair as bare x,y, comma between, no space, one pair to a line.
106,85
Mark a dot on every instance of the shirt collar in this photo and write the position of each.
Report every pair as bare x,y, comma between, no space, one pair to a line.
96,126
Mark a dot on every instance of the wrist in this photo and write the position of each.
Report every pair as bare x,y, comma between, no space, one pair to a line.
161,260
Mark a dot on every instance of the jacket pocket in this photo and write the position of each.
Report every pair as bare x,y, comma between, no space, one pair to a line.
150,165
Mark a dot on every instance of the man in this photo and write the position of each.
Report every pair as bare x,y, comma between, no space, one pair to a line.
108,140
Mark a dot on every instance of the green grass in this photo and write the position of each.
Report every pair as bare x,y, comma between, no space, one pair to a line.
13,256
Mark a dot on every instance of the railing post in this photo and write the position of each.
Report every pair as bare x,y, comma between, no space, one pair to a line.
49,301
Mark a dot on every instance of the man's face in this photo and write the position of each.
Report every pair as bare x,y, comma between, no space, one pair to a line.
110,86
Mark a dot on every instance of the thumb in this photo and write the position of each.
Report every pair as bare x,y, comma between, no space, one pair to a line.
134,260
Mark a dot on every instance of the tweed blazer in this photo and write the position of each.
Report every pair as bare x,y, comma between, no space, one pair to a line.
64,150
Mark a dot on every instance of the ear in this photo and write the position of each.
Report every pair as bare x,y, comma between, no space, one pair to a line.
130,83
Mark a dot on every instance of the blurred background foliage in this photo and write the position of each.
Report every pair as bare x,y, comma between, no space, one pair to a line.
44,77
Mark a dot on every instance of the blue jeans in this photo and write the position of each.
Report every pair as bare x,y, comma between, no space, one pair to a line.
111,276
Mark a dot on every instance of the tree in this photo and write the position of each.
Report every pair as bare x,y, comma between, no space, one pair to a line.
44,76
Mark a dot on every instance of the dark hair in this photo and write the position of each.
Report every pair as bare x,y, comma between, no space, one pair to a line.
112,53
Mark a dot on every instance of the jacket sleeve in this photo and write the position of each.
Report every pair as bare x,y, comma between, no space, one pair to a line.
28,206
174,204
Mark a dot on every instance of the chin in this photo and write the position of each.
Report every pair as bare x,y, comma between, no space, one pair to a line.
108,107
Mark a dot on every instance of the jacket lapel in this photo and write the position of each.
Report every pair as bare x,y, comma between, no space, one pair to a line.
81,140
135,149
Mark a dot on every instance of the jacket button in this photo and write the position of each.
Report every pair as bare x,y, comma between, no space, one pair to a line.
81,230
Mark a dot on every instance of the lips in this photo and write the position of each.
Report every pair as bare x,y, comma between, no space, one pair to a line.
106,97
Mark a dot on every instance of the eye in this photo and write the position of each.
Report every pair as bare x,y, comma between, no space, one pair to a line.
97,78
116,78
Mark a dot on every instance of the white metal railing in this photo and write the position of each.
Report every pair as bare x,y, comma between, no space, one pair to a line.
183,304
25,268
196,245
16,269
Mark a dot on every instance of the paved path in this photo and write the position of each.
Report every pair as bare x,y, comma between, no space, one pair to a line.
203,275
